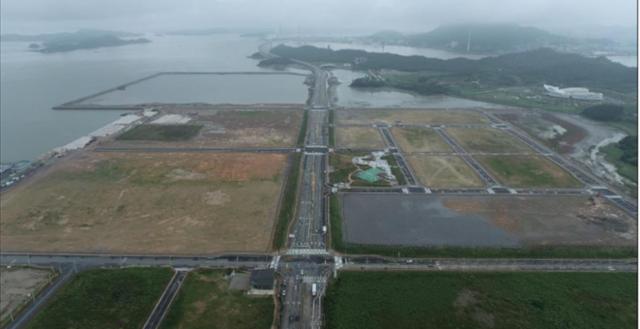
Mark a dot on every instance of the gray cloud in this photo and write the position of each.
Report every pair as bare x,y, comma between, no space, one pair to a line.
325,15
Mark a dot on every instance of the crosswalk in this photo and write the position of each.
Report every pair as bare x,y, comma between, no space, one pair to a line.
304,252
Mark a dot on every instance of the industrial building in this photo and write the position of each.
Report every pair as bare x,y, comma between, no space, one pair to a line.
574,93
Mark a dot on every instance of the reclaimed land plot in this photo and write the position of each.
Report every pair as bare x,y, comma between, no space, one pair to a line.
410,116
160,203
165,133
231,128
381,300
205,301
359,138
482,226
419,140
443,171
487,140
17,287
528,171
105,298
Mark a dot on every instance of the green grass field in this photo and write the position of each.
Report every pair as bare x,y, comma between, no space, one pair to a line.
204,301
105,298
164,133
378,300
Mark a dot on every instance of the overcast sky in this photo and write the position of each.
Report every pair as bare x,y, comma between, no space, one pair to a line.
32,16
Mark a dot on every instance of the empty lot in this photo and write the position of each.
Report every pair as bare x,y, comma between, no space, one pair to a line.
487,140
146,203
409,116
359,138
419,140
479,221
231,128
443,171
527,171
18,285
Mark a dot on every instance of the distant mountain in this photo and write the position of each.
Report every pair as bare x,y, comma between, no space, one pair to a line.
69,41
199,32
530,67
483,39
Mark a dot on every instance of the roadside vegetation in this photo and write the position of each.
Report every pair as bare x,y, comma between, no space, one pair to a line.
624,155
379,300
288,203
332,129
205,301
165,133
105,298
303,129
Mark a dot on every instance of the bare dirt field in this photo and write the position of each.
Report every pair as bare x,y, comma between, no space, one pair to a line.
419,140
237,128
359,137
409,116
487,140
553,220
146,203
18,285
443,171
527,171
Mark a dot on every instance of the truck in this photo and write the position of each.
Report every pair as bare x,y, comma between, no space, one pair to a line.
314,289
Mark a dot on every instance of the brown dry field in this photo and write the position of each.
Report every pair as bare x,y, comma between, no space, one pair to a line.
527,171
359,137
409,116
157,203
17,285
563,220
487,140
236,128
419,140
443,171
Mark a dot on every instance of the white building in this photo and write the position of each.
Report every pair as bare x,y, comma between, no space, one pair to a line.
575,93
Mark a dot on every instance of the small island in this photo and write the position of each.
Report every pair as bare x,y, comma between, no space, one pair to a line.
82,39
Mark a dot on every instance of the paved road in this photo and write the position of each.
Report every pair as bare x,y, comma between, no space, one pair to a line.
301,308
490,264
137,149
470,160
95,260
162,306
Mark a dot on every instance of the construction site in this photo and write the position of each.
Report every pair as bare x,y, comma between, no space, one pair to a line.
267,206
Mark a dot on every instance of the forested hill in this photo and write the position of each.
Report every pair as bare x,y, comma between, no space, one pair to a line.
487,39
535,66
479,38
